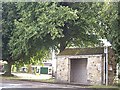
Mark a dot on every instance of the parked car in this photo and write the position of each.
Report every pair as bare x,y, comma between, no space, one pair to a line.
23,69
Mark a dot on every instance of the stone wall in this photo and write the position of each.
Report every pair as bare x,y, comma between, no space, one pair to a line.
111,66
94,68
62,70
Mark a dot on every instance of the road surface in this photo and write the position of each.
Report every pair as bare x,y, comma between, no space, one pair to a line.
29,84
6,84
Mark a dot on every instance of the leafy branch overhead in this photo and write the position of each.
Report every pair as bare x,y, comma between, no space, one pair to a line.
43,19
32,27
50,24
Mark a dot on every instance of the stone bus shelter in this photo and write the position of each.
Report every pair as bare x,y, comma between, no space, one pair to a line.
85,66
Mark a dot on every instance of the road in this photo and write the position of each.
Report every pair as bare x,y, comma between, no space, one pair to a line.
6,84
29,84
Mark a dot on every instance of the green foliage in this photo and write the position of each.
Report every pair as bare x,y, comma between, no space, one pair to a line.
9,14
110,26
116,37
54,24
39,26
39,57
31,28
84,31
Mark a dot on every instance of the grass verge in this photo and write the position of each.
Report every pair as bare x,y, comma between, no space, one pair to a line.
35,80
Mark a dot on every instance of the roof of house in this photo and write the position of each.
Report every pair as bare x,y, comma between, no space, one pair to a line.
82,51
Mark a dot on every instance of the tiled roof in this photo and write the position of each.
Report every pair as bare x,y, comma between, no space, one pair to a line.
82,51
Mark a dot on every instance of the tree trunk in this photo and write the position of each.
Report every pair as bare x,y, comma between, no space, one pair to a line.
8,69
63,40
62,45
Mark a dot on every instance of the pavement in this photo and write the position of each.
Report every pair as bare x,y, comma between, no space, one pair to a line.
31,76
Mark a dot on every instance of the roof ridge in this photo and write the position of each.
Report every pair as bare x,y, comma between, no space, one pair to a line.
82,51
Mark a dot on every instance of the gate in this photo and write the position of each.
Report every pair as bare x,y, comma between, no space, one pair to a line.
44,70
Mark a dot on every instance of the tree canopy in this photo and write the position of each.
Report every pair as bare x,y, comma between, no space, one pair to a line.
31,28
109,25
40,26
9,14
54,25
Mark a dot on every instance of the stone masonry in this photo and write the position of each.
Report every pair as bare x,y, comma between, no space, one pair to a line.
95,68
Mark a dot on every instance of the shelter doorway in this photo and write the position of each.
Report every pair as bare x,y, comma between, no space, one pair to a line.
78,71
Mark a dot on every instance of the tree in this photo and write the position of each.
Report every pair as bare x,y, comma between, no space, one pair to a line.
54,25
83,32
12,12
116,34
39,27
109,25
44,25
9,14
